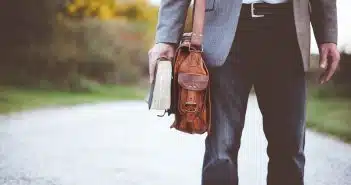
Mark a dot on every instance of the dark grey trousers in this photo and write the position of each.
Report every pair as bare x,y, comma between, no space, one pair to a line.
264,55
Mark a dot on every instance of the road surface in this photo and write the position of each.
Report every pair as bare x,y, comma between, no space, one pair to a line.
125,144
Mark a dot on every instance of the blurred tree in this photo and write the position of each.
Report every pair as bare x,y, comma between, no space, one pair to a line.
110,9
55,41
29,21
26,23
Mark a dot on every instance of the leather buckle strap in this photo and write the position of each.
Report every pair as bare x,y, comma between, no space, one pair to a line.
186,41
253,15
191,107
263,10
198,22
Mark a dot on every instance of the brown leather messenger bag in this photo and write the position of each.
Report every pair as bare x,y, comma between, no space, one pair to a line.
190,94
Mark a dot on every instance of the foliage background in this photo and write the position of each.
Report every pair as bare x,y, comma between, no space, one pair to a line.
67,44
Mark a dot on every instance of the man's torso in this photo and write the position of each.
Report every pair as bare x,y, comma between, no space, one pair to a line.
219,33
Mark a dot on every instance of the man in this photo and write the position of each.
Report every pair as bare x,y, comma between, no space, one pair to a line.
264,44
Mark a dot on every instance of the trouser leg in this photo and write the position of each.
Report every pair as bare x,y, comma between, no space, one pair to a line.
280,87
283,108
230,86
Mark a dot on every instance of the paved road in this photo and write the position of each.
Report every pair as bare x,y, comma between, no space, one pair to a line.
124,144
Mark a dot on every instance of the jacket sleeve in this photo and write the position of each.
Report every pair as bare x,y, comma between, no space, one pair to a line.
324,20
171,20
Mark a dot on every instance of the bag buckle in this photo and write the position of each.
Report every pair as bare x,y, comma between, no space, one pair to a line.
186,42
190,105
192,49
253,11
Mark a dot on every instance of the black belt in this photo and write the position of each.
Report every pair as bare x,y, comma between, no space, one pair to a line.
257,10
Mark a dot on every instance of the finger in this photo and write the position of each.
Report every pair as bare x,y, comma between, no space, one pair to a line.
332,69
324,74
171,53
152,62
329,72
322,77
323,61
165,54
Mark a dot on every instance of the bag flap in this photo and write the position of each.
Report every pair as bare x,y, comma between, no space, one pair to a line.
192,81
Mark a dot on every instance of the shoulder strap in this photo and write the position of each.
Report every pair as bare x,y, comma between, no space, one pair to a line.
198,22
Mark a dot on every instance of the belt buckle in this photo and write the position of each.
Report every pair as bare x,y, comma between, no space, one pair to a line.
253,11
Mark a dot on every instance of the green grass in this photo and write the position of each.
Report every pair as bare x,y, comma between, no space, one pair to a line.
14,99
328,115
331,116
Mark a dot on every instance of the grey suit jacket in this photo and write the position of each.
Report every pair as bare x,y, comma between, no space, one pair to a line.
221,21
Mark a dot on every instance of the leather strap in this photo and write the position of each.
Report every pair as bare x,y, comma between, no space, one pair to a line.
198,22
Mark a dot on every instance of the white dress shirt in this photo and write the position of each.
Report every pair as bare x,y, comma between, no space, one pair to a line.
265,1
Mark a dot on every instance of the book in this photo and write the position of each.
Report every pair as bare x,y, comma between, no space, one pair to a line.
159,96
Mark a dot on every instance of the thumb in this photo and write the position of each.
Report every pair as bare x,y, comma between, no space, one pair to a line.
152,63
323,61
168,53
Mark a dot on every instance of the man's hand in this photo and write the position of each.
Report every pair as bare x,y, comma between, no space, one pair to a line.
329,61
159,50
